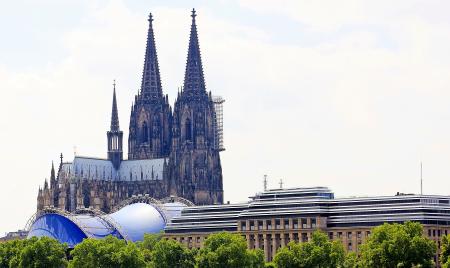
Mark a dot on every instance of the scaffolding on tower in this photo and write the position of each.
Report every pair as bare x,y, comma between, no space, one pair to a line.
218,122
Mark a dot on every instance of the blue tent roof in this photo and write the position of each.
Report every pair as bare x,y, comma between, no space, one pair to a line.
59,227
130,222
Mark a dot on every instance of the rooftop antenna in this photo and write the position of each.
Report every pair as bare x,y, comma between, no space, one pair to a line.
281,183
421,179
265,182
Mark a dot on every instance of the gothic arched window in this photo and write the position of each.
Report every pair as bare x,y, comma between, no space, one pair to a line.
144,132
188,130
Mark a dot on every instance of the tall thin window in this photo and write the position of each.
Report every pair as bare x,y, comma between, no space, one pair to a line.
144,132
188,130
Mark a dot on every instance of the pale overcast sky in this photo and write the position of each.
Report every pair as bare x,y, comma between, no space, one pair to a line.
346,94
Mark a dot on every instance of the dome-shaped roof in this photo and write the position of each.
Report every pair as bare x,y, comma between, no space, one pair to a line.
137,219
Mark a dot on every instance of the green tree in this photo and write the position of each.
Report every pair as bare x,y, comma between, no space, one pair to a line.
170,253
108,252
351,261
398,245
288,256
10,251
42,252
228,250
270,265
256,258
445,251
318,252
148,244
150,241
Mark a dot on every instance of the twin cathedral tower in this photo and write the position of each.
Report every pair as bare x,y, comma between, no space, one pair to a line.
170,152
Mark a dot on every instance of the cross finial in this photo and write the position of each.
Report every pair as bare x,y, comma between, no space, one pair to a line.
61,157
114,84
150,17
193,14
281,184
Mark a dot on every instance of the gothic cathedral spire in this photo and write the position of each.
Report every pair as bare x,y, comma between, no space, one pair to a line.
193,78
196,170
115,136
150,119
151,80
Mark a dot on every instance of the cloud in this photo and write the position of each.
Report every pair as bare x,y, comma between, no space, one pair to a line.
316,15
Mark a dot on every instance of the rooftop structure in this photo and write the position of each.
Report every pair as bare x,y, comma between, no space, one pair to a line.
90,168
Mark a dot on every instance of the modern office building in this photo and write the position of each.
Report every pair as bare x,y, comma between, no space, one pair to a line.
273,218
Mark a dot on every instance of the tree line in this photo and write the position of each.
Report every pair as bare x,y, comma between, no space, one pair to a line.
389,245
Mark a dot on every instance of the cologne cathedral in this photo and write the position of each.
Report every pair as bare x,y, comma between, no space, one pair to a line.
171,152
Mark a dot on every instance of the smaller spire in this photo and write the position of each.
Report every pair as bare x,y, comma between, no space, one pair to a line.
52,175
114,114
114,136
61,157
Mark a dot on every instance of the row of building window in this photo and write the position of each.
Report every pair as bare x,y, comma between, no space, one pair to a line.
359,235
434,232
259,224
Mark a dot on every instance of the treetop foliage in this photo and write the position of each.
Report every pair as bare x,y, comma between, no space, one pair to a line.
44,252
318,252
170,253
390,245
228,250
398,245
108,252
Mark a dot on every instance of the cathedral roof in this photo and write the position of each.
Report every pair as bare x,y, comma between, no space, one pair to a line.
103,169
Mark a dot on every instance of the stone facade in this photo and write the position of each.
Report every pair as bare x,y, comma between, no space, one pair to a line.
169,153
